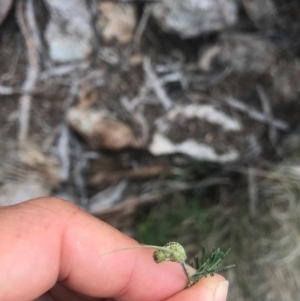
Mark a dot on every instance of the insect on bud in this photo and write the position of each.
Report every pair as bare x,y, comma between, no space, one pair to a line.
172,251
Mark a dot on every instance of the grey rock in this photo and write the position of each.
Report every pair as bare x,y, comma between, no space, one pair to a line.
101,129
69,33
191,18
202,132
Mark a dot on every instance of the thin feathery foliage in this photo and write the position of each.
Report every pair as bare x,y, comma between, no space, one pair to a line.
208,266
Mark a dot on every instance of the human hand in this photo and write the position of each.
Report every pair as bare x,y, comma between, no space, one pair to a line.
51,248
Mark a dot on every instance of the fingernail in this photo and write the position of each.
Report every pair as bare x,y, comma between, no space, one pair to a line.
221,291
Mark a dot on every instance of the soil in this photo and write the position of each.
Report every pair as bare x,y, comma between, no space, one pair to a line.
108,82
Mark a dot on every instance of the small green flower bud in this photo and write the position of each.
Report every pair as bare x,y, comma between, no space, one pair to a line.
172,251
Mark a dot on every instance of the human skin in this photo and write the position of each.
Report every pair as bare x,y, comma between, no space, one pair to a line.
50,246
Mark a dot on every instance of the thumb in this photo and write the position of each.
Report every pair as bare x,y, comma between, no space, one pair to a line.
207,289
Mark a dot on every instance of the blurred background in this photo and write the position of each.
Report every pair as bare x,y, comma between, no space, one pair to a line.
172,120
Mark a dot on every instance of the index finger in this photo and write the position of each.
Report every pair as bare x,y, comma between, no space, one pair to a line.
48,240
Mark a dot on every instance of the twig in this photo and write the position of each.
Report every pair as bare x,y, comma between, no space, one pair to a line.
256,115
109,56
267,109
64,69
107,198
207,57
175,76
5,90
136,173
131,105
252,191
202,82
81,164
94,13
9,90
28,27
139,118
169,67
154,82
63,147
64,141
95,77
140,28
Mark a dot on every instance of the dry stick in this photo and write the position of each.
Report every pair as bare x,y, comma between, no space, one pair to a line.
78,170
132,108
94,17
64,69
252,191
134,247
64,141
155,83
175,76
239,106
29,30
140,28
139,172
107,198
64,152
4,90
267,109
208,56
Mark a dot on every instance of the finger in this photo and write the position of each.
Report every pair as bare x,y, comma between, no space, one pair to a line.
46,240
207,289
